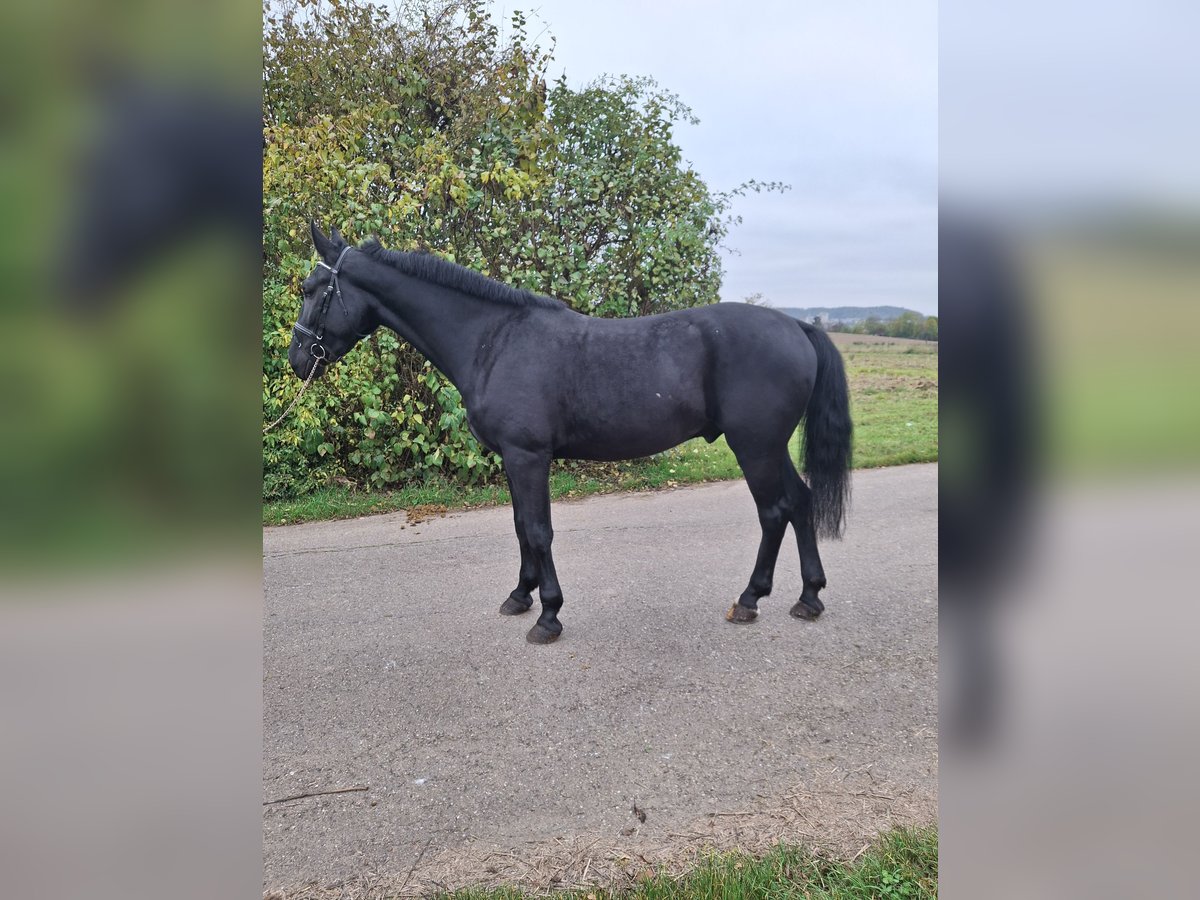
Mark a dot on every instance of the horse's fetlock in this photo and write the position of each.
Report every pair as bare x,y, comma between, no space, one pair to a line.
761,587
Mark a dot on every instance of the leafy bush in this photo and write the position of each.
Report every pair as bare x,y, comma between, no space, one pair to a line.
430,130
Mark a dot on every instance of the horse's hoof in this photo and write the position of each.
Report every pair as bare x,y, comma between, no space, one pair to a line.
540,634
514,607
740,615
807,609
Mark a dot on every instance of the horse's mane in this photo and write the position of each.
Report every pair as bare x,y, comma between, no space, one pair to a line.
428,267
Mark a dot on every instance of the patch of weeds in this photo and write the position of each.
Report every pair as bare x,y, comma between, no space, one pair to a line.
900,865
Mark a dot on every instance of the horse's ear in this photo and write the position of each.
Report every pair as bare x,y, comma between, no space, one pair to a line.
338,241
327,249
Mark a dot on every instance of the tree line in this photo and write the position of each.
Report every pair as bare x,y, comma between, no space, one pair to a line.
906,325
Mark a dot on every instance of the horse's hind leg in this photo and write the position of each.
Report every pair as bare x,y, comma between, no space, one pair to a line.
765,477
521,599
809,606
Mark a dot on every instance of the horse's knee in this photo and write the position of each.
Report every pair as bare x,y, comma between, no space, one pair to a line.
539,535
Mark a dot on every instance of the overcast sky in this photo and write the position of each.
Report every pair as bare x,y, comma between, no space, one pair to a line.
836,98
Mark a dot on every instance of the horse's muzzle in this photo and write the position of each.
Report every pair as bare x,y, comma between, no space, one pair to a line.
301,358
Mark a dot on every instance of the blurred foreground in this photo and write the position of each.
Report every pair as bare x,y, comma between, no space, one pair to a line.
1070,294
130,161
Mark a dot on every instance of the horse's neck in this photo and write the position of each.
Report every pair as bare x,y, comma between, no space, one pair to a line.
444,325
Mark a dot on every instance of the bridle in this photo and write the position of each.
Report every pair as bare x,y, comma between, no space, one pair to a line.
316,349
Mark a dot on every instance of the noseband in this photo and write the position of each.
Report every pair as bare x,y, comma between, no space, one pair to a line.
317,349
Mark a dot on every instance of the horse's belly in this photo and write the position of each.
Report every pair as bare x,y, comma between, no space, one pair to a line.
629,439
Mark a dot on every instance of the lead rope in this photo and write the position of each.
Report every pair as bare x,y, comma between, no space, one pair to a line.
296,399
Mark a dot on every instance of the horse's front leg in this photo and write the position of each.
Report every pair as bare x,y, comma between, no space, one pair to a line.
521,599
529,479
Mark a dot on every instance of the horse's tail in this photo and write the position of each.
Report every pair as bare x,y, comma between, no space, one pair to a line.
828,437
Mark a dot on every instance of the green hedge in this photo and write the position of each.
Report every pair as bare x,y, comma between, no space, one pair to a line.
429,130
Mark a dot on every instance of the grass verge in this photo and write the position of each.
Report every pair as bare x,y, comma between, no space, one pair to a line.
900,865
893,400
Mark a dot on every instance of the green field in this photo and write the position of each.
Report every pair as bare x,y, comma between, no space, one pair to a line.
894,402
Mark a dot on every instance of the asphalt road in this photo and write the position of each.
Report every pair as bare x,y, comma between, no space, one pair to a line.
386,665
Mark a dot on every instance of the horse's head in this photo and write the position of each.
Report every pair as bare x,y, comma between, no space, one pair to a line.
336,313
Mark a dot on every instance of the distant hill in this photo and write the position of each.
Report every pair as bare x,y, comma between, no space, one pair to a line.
846,314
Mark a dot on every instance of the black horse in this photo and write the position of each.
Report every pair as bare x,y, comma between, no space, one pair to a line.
541,381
